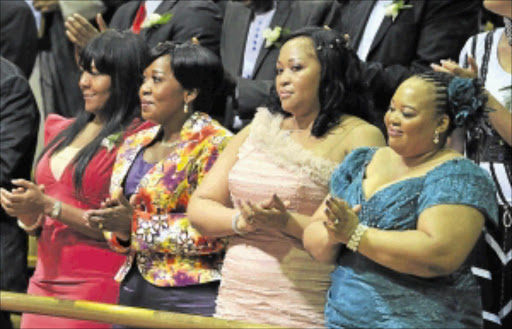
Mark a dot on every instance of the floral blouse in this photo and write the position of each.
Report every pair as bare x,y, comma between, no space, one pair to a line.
168,251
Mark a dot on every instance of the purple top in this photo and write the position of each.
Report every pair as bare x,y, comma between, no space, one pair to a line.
138,169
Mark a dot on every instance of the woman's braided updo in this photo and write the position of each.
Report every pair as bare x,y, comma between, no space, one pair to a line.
463,100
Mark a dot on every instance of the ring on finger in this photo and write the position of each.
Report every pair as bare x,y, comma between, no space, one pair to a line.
100,226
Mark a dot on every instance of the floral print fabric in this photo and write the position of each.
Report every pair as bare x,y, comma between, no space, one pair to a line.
168,251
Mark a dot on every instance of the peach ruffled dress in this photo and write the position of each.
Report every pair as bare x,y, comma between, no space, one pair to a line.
267,276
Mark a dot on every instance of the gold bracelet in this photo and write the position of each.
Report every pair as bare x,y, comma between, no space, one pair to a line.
355,238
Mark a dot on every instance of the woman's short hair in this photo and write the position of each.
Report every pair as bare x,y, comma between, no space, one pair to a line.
341,89
196,67
123,56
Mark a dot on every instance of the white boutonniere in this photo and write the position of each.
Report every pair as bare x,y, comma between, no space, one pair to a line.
394,9
156,19
111,141
273,36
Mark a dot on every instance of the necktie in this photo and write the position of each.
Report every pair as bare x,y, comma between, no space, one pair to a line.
139,18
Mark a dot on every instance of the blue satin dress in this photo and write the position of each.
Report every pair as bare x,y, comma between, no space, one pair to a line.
366,294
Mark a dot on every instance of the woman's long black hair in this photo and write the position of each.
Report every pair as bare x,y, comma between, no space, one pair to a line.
341,89
123,56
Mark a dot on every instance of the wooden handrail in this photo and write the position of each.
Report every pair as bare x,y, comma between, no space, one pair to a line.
109,313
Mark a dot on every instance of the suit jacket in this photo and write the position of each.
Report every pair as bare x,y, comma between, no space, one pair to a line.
19,124
18,35
173,253
426,33
253,93
201,19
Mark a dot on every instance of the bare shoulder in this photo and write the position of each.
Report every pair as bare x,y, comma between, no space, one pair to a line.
357,132
348,135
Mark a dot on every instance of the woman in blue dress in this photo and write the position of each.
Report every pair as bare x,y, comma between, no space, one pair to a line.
403,222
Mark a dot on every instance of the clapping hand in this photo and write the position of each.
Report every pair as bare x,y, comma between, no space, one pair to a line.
272,213
449,66
342,220
114,216
79,31
25,199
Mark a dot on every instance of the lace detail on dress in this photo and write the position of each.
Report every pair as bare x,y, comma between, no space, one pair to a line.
266,134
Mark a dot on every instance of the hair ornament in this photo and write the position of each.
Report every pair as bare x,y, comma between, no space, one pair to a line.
467,100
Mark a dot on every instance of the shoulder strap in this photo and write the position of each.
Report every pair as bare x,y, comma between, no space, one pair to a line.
487,54
472,51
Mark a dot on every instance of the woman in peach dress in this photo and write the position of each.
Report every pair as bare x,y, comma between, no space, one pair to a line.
287,153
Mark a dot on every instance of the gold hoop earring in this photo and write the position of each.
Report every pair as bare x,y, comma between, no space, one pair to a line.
436,137
185,108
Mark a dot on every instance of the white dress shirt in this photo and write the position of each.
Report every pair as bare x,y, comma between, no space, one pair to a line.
255,40
372,26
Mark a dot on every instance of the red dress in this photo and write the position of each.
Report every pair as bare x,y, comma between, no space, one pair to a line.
71,265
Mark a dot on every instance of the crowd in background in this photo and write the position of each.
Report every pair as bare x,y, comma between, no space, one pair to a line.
336,163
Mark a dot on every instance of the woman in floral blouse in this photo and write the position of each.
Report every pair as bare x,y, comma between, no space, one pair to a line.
170,266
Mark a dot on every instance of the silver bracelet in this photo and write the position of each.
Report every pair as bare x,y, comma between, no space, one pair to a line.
234,224
355,238
56,209
30,228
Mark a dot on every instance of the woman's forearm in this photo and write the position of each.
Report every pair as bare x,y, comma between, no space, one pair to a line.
210,218
501,119
319,243
296,224
411,252
72,217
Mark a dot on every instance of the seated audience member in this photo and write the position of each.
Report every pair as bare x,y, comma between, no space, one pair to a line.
404,250
158,21
19,124
395,47
73,175
249,51
489,144
290,149
170,266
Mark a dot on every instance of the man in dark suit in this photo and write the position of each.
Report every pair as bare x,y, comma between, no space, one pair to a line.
19,124
423,32
18,35
199,19
253,88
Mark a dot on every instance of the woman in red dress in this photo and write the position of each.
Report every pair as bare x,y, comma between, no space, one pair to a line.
73,175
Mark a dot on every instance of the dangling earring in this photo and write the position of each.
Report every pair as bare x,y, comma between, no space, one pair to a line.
436,137
185,108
